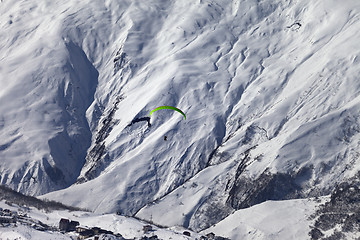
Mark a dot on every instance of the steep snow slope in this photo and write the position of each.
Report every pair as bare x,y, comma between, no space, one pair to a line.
272,77
299,127
47,83
52,57
270,90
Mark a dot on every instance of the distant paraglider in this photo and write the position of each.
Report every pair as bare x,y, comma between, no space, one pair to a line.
168,107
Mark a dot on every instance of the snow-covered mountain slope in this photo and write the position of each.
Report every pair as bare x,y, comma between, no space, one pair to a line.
289,219
270,90
47,84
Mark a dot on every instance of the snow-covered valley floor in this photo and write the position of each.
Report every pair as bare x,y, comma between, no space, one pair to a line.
271,220
129,228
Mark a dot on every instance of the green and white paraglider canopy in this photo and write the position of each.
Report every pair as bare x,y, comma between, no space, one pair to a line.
168,107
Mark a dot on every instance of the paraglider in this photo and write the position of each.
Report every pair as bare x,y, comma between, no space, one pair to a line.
168,107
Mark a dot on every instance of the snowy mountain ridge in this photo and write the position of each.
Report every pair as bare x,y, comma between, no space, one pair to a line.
270,90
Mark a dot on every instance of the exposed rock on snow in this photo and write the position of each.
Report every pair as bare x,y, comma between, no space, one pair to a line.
340,217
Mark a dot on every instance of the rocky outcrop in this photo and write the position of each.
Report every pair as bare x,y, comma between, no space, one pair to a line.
341,215
268,186
96,159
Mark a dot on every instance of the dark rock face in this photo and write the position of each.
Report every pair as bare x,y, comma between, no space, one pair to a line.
208,214
316,234
246,193
342,210
97,154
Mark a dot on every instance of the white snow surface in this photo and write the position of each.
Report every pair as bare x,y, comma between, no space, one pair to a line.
288,69
288,219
